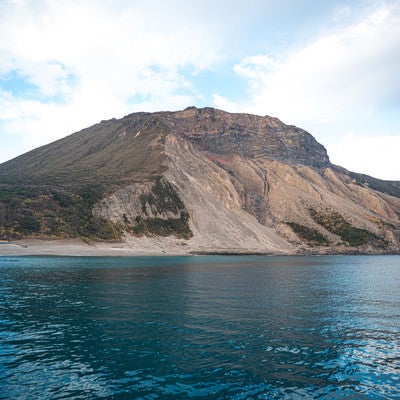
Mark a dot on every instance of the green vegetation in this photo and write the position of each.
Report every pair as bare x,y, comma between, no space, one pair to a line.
335,223
161,199
310,235
28,224
55,195
163,227
53,212
50,211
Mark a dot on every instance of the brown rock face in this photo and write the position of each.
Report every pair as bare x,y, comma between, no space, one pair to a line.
221,192
249,136
220,182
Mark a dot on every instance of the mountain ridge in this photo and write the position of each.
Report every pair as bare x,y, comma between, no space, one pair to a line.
216,180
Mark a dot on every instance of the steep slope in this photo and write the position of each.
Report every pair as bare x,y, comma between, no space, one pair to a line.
220,182
130,149
314,210
51,192
249,136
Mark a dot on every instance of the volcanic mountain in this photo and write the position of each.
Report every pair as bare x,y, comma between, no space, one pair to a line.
204,179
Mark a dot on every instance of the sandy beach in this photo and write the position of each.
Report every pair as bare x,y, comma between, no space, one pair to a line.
132,246
76,247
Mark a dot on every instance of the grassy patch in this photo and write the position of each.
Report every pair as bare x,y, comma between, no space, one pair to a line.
53,212
335,223
309,235
161,199
66,212
178,227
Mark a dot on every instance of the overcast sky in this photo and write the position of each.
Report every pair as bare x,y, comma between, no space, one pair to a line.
331,67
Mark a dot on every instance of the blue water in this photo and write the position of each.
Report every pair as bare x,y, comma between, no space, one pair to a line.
210,327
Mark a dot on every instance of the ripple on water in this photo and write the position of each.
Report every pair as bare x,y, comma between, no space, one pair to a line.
201,327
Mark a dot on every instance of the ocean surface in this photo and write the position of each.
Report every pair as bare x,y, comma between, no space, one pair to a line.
210,327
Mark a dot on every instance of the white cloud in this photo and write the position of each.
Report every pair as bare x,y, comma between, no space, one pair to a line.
352,70
80,61
224,104
95,60
378,156
346,78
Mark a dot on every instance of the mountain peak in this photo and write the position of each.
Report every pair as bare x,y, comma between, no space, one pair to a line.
247,135
218,180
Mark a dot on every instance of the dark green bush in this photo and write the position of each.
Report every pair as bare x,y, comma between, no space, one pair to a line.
335,223
28,224
163,227
310,235
66,211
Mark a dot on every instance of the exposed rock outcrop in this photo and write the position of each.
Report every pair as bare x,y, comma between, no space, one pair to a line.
249,136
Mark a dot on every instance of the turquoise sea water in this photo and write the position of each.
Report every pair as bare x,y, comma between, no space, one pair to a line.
210,327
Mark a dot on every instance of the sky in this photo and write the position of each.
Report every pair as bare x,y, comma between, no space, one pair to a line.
331,67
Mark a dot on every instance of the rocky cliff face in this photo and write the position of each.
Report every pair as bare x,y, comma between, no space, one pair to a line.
291,207
219,182
249,136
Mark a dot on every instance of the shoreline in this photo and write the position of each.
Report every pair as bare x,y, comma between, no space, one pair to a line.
78,248
149,247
